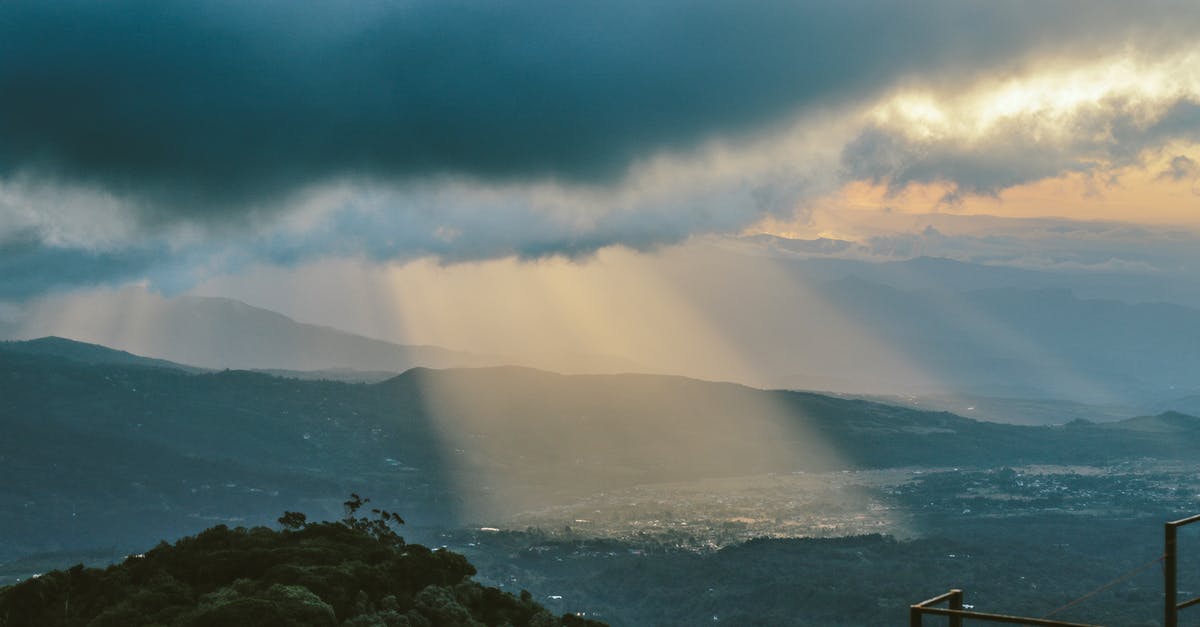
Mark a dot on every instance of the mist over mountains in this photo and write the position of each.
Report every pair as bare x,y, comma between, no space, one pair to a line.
950,333
1045,343
957,328
220,333
1170,284
1145,266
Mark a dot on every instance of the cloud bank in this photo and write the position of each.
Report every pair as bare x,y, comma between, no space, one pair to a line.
222,131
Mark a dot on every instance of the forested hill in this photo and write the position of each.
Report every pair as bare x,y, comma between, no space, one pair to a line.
107,455
357,572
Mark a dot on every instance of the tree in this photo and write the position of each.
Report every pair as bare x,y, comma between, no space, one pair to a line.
293,520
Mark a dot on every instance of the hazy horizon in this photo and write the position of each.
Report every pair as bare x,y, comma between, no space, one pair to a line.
516,204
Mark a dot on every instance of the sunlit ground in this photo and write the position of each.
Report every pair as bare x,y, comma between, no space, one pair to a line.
726,511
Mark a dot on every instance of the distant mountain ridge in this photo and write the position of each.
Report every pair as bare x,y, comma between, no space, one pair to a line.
1033,343
127,452
221,333
945,274
93,354
225,333
919,273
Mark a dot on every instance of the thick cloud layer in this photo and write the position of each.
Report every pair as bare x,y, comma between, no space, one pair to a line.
170,140
29,266
1106,136
212,107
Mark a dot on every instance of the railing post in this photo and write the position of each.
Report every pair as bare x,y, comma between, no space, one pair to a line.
914,616
1170,611
956,603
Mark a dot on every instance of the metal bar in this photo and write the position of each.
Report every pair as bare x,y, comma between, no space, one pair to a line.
945,596
1170,604
999,618
956,603
1185,521
1190,603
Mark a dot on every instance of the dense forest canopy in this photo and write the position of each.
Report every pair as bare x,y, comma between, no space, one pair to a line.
356,572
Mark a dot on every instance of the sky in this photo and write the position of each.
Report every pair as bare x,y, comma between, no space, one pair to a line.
428,152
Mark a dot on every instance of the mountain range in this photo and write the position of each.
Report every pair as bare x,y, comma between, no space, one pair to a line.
221,333
1172,285
1022,343
951,330
108,453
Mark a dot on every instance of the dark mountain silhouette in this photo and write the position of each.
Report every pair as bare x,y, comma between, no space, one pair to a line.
94,354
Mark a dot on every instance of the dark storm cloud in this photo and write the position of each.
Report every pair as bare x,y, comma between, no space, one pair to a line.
190,108
30,267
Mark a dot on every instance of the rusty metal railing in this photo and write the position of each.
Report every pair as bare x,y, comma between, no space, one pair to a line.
1171,604
954,600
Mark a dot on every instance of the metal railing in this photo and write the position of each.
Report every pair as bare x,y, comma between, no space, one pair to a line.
1171,604
954,599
